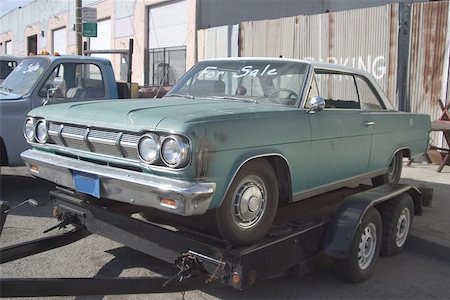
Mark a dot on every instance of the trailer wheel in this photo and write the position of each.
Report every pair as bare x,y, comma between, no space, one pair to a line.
365,249
250,205
397,215
393,172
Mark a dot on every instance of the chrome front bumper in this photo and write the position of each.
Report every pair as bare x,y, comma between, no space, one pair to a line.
123,185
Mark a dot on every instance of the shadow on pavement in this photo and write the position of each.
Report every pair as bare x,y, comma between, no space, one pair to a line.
17,188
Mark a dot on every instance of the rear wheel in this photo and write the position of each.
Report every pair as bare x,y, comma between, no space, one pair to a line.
365,249
397,215
250,205
393,172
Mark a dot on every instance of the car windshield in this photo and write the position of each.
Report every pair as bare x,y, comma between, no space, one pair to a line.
260,81
24,76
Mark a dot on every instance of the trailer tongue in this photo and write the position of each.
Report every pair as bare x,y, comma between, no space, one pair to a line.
199,259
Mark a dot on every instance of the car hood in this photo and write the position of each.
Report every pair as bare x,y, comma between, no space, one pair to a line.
147,114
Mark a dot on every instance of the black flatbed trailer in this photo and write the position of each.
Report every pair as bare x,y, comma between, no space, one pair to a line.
327,224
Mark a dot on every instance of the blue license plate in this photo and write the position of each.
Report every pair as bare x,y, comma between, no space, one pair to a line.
86,183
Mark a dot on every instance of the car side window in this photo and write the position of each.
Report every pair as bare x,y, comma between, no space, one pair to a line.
75,81
368,96
338,90
55,79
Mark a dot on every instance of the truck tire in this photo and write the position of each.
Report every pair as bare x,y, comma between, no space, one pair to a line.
397,216
393,172
250,205
365,249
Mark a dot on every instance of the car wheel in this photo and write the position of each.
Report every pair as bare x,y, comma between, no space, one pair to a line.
393,172
365,249
397,216
251,203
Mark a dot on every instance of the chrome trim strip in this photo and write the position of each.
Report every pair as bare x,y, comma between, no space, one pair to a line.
193,198
61,128
103,141
336,185
118,145
86,139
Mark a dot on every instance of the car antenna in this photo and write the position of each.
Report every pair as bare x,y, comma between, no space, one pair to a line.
162,82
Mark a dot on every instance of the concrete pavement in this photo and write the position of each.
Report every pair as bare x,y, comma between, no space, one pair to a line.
430,234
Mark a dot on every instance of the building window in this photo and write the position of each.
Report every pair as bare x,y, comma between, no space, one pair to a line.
167,65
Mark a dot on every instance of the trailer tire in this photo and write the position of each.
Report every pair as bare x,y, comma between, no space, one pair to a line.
365,249
393,172
250,205
397,216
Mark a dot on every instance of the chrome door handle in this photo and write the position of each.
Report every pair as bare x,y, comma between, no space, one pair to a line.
369,123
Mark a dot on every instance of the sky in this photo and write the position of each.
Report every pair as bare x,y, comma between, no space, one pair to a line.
8,5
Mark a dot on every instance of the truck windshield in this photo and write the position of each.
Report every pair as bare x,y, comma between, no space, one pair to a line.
24,76
258,81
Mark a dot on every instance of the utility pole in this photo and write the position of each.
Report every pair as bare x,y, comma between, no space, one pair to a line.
78,27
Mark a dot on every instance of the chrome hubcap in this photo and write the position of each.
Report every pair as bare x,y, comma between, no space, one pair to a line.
249,202
367,246
403,224
392,166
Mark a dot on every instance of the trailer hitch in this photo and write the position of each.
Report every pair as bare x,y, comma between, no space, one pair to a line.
188,266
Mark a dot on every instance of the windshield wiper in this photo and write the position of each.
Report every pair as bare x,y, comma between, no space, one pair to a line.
6,89
187,96
235,99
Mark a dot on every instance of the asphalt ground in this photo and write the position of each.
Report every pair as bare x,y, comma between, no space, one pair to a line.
418,273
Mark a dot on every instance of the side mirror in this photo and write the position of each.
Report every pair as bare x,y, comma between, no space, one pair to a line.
58,90
317,104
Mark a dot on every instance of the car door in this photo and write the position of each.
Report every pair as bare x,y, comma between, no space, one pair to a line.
72,82
389,131
341,136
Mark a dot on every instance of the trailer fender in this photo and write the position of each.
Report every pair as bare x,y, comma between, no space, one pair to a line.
342,226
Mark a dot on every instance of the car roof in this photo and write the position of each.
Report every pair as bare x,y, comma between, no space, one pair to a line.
53,58
10,58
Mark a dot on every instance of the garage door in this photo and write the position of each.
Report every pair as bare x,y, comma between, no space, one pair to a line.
59,40
103,39
8,47
168,25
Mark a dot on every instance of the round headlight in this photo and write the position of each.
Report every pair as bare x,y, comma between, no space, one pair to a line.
41,131
28,129
148,148
175,151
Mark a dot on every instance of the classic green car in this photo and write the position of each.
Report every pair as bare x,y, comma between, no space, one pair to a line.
234,137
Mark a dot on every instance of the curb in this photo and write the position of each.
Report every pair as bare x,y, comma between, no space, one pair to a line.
426,247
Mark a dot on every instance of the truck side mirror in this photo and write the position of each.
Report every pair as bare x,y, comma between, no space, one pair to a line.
57,91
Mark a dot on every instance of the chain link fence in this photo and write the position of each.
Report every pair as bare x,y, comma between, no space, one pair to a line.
167,65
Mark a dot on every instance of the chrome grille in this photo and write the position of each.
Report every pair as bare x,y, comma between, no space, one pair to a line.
112,143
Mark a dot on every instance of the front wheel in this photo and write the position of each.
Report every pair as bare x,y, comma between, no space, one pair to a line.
250,205
393,172
365,249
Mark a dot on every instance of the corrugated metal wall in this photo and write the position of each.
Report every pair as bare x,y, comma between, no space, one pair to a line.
363,38
213,42
429,56
429,59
